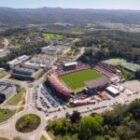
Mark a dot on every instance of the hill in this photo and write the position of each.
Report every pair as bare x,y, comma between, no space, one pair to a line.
9,16
122,123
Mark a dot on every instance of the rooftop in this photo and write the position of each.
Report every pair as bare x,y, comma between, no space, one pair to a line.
18,60
97,82
112,90
69,64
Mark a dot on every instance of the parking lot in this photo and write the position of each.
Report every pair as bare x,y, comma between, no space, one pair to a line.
46,102
133,85
51,105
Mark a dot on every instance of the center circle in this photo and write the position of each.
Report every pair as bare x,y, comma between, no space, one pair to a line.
28,123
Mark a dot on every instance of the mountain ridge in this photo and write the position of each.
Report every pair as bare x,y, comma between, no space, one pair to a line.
45,15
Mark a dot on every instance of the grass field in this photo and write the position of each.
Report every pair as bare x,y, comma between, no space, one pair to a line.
3,139
73,52
51,36
16,138
5,114
17,98
28,123
76,80
43,138
77,32
3,74
60,137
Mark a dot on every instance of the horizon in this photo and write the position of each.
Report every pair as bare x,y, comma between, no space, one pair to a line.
74,8
70,4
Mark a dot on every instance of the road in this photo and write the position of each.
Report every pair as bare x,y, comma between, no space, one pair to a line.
82,50
7,129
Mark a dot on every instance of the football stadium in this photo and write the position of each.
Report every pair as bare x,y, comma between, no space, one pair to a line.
76,80
72,78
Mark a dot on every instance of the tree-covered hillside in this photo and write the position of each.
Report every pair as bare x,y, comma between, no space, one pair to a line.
18,17
102,45
120,124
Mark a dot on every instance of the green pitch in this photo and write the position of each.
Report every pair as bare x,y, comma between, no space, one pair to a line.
51,36
76,80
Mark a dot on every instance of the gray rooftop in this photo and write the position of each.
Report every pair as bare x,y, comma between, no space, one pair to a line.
98,82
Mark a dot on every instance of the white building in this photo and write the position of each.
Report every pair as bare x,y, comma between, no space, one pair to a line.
113,90
51,50
18,60
70,64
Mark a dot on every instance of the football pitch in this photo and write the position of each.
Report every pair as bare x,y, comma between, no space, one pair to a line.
76,80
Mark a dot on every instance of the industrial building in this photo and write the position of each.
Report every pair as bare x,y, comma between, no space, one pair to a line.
25,73
54,50
26,68
70,66
40,61
51,50
113,91
18,61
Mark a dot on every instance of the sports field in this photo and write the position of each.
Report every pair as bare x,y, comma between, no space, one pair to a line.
76,80
51,36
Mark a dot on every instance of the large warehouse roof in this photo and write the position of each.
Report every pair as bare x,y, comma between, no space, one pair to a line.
70,64
112,90
18,60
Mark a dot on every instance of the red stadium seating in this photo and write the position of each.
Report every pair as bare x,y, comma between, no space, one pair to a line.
61,89
106,69
80,66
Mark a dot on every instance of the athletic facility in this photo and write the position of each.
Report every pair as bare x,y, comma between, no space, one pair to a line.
76,80
72,78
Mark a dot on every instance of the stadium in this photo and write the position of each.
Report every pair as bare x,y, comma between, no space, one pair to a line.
72,78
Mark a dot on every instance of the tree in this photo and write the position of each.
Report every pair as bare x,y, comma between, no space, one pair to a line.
75,117
90,127
137,74
122,132
58,126
115,116
135,109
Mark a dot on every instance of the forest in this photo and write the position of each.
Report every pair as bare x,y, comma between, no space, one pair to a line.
122,123
102,45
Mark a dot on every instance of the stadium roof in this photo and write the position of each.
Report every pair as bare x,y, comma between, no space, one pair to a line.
59,86
98,82
112,90
70,64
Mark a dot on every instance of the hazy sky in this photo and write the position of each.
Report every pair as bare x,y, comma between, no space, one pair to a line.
96,4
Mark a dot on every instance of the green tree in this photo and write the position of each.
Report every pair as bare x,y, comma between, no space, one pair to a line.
75,117
90,126
137,74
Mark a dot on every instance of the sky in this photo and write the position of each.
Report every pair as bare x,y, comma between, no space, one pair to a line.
82,4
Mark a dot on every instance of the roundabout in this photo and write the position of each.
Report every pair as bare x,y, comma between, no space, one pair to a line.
28,123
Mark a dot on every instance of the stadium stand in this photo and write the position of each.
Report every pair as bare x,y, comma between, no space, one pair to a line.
61,70
61,89
106,69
